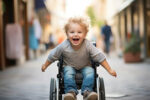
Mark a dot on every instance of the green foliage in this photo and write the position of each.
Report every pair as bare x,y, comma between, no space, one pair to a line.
94,20
133,45
91,14
100,23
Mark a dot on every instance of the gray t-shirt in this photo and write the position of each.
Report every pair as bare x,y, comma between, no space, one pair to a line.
76,58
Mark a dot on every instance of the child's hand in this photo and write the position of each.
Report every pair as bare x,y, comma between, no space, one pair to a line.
45,65
43,68
113,73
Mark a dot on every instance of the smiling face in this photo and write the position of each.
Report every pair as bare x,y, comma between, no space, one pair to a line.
76,34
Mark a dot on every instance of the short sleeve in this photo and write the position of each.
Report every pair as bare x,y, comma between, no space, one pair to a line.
96,54
55,53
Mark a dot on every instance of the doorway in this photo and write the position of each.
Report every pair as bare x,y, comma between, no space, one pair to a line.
148,32
148,26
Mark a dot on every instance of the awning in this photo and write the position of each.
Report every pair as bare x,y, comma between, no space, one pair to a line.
125,5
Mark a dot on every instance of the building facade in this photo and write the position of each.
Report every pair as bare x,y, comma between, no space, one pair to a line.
133,17
13,12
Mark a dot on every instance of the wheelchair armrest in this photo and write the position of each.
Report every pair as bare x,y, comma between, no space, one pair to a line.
97,64
60,61
58,64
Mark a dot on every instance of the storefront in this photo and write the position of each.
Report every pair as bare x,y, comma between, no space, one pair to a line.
2,61
12,12
134,18
147,23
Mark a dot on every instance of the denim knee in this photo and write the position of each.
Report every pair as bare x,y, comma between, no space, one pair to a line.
69,72
88,79
88,72
69,79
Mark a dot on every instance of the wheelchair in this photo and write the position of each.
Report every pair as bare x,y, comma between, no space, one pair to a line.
57,85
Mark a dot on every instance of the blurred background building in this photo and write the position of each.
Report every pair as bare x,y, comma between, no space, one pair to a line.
126,17
16,17
130,17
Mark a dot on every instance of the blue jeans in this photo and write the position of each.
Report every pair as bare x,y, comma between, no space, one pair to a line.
69,79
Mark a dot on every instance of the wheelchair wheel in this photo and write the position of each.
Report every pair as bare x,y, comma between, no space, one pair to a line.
102,89
53,90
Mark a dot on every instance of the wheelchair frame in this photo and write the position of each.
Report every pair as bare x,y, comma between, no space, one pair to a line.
57,85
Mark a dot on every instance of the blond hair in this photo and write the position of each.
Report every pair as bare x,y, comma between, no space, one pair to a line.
82,21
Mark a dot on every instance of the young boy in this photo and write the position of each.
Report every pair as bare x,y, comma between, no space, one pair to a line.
77,51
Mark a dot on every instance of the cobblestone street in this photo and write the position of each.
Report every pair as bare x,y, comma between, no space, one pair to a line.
27,82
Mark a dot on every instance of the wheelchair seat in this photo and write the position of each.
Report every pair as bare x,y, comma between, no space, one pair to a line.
78,79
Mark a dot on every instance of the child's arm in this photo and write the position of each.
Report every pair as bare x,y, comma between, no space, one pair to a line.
108,68
44,66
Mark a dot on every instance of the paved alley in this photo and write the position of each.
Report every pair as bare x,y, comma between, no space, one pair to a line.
27,82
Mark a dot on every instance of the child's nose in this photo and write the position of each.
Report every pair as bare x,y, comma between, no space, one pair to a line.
76,33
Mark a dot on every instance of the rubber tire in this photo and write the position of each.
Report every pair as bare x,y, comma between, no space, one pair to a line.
53,92
102,89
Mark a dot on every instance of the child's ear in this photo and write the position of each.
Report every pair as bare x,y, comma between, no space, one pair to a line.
85,34
66,34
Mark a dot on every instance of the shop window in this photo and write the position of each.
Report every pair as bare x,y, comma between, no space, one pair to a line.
135,16
148,4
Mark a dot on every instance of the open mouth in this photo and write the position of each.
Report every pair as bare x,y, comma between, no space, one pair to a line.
75,39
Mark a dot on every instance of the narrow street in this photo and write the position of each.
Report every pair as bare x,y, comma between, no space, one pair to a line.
29,28
27,82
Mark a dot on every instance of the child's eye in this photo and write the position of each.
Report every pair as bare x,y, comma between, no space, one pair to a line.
79,32
72,32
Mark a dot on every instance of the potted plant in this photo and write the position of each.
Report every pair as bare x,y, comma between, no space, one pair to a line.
132,50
